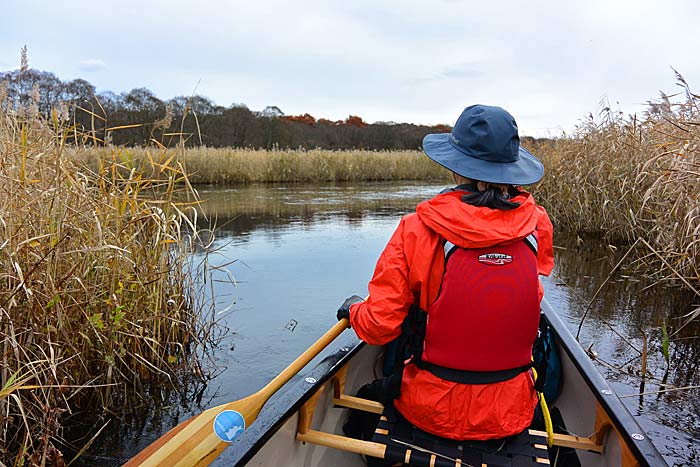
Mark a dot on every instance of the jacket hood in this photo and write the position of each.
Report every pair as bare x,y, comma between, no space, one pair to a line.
470,226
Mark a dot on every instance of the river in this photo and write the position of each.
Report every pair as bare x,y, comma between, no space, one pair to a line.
291,254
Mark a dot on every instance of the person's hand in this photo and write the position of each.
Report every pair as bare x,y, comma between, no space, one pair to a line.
344,310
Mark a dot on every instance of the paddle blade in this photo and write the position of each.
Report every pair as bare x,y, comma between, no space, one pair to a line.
200,440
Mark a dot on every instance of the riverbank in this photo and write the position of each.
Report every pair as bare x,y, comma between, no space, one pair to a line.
233,165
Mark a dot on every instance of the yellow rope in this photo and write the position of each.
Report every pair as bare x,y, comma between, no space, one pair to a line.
549,427
547,420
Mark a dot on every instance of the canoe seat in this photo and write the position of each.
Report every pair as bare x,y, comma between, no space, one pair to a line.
408,445
399,442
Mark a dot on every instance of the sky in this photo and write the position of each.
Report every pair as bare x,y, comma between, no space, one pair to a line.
549,63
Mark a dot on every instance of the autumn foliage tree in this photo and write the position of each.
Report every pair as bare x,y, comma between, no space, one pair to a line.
306,119
354,120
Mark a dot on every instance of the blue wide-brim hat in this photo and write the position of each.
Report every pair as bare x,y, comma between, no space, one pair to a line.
484,145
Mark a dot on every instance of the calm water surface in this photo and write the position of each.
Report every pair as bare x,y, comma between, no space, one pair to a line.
300,250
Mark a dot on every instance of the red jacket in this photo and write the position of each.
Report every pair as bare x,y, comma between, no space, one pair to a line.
409,271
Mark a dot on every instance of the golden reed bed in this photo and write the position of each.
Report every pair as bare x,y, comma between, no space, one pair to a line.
98,303
633,181
229,165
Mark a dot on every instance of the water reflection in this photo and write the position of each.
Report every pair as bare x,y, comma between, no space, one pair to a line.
238,211
626,311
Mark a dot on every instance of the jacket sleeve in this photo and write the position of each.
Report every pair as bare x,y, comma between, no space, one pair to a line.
378,319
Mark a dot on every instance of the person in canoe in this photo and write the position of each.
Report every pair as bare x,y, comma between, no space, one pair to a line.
457,287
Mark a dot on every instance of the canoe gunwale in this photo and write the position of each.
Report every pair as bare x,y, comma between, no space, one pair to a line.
644,450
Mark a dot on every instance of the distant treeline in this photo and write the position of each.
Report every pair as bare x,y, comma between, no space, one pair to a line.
137,117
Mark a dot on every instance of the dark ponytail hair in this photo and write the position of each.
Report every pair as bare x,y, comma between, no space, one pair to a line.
492,197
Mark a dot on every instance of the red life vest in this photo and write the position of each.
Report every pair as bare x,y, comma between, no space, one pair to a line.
486,316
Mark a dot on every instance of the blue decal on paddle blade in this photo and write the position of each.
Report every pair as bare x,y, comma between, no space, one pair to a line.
228,425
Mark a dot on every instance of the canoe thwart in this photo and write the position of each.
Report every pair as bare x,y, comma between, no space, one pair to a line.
343,443
410,454
351,402
574,442
358,403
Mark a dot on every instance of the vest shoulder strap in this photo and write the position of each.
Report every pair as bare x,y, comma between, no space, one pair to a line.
531,241
449,248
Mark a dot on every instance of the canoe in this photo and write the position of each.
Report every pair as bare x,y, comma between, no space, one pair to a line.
302,424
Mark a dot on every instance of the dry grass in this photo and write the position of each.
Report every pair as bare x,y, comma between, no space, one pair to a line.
629,178
227,165
97,299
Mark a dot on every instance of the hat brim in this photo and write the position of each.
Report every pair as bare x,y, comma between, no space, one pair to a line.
525,171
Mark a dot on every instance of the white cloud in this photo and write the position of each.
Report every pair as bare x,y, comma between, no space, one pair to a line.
548,63
91,65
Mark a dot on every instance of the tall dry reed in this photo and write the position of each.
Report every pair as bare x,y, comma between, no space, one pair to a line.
627,178
229,165
97,298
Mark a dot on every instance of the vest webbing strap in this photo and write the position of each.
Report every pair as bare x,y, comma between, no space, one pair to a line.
531,241
449,249
471,377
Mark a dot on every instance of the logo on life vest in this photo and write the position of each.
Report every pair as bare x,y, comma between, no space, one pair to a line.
495,259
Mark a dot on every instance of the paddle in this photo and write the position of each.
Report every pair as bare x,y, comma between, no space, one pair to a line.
200,440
